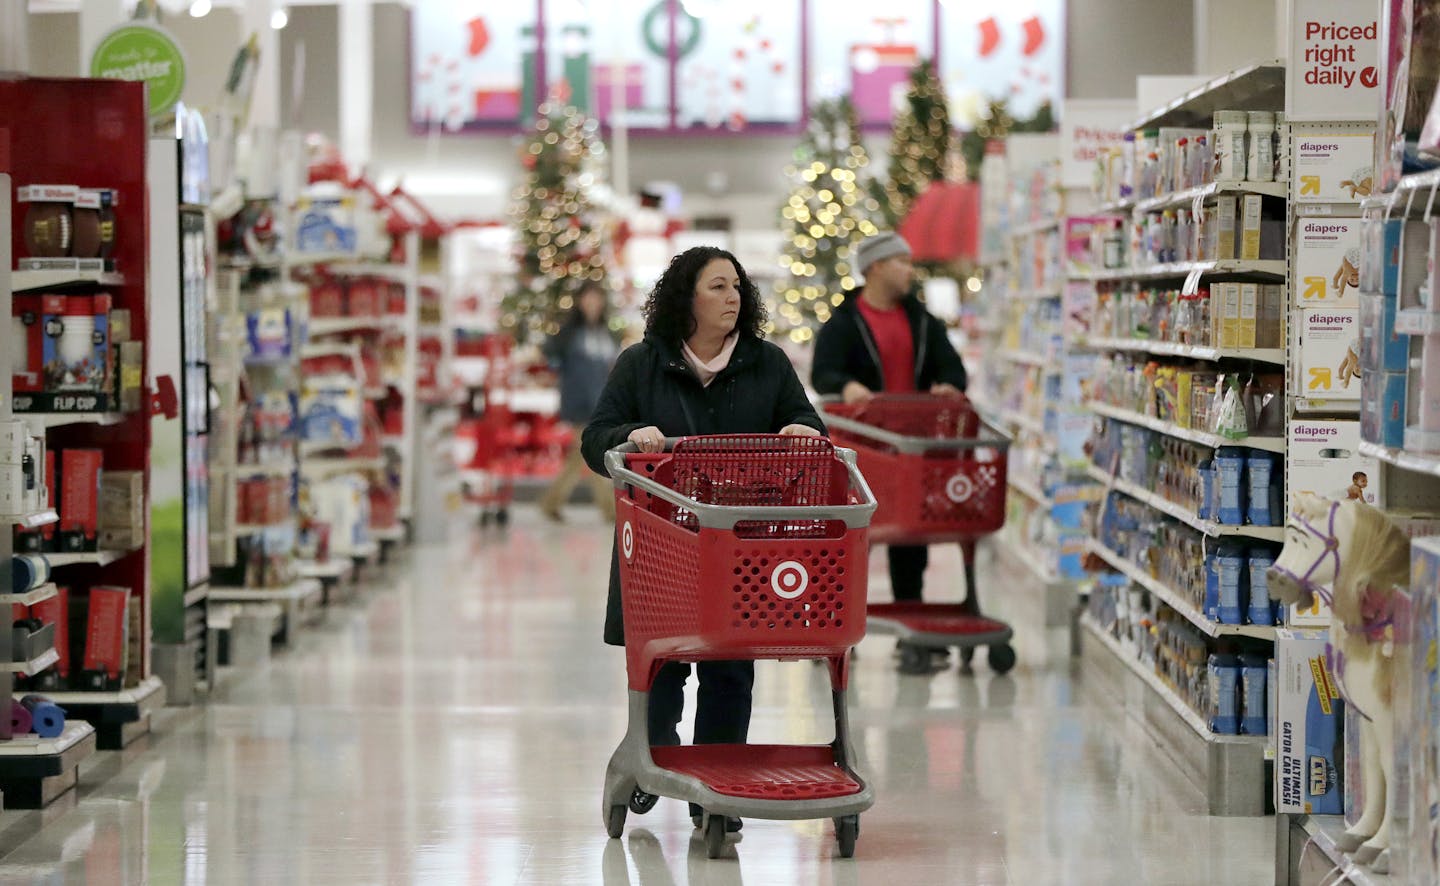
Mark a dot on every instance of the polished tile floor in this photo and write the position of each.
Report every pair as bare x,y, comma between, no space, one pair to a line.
453,723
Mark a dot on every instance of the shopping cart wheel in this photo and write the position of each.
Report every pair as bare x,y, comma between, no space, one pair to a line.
914,659
484,519
641,802
967,660
502,517
615,821
715,836
847,831
1002,658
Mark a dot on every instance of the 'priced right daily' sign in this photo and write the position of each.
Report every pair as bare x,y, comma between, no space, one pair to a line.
1334,51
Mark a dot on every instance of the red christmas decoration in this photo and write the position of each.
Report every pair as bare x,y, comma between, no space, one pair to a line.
479,36
1034,35
989,37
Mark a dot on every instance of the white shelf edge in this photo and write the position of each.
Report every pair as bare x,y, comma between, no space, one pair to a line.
296,590
1031,228
1275,356
58,419
87,558
38,595
134,695
256,528
278,469
1175,601
1415,462
1150,120
1319,827
1191,716
1024,358
1183,514
35,665
29,281
1030,491
1204,438
75,732
1269,267
1188,196
31,521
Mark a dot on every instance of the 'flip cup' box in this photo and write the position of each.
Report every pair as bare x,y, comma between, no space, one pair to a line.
1310,718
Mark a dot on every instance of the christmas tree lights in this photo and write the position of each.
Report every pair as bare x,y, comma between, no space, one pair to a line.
919,145
558,238
826,215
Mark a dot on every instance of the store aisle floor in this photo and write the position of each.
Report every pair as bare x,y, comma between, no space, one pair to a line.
453,725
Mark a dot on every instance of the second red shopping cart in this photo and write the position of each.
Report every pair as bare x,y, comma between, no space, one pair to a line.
938,472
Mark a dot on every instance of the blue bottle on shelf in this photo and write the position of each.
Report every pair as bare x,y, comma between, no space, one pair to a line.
1212,587
1224,694
1230,465
1254,686
1260,469
1262,609
1207,489
1231,563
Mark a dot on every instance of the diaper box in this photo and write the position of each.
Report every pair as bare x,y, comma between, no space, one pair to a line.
1328,340
1327,262
1309,722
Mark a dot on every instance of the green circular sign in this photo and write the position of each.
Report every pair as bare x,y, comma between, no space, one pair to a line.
147,54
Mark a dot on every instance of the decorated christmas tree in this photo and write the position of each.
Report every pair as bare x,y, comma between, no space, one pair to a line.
827,214
919,145
558,239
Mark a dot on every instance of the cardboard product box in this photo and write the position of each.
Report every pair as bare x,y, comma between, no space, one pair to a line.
27,344
1413,280
1309,723
1247,334
1382,408
1402,239
1333,167
14,435
1271,333
76,358
122,509
1327,336
1229,315
1422,726
1251,207
131,374
1372,252
1382,348
325,223
79,471
1327,262
1226,228
1424,390
362,298
268,332
106,638
327,299
1078,308
1323,458
120,328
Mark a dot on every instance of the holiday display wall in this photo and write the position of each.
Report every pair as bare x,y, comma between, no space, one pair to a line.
709,67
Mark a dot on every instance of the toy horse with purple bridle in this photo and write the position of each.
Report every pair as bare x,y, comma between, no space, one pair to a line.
1353,558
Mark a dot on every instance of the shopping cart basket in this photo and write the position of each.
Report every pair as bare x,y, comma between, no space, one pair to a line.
740,547
938,473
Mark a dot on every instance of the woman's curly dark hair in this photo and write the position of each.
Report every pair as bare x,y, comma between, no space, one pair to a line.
669,309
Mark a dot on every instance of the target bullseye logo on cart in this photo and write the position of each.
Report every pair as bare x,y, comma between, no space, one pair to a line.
789,580
627,540
959,489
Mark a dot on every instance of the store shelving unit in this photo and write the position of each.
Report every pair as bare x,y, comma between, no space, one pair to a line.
1229,769
1016,371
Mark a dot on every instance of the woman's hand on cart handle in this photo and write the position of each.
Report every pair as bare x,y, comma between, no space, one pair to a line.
944,389
798,431
854,392
648,439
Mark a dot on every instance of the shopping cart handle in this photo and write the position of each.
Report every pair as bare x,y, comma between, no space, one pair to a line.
726,516
917,445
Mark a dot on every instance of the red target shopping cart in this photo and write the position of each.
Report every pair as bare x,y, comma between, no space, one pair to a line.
938,472
740,547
